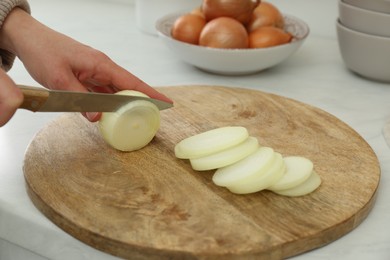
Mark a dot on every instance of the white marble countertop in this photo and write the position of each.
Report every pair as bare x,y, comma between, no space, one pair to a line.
315,75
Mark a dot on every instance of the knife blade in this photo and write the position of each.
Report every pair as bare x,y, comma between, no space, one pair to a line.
38,99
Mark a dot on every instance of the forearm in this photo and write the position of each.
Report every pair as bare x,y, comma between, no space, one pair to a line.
21,32
7,7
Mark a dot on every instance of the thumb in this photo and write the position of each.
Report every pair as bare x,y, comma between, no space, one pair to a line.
10,98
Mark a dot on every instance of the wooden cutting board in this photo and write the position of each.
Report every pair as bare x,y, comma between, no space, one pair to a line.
150,205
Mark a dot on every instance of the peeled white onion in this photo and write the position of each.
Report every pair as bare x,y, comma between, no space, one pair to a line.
132,126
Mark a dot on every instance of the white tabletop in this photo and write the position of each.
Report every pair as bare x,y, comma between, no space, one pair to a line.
315,75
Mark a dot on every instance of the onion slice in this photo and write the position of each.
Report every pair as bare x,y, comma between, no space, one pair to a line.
132,126
260,180
226,157
305,188
298,171
255,164
209,142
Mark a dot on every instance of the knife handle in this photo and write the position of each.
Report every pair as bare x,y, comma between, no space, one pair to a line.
34,98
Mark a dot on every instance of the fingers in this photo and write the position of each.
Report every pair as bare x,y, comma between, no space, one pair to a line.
75,85
151,92
10,98
69,82
122,79
92,116
98,73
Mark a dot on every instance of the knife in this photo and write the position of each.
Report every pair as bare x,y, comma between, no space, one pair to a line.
44,100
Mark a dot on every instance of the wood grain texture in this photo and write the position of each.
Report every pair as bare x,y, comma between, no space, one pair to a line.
150,205
33,98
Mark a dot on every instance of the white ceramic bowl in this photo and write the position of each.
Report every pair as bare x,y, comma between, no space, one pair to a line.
365,54
373,5
364,20
233,61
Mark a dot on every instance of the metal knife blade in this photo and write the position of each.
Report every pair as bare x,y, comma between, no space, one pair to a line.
44,100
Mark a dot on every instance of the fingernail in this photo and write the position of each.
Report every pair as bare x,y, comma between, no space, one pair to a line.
92,116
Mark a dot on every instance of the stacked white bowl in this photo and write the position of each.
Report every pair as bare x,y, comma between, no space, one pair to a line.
363,31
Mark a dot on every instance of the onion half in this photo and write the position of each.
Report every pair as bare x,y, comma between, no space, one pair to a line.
133,126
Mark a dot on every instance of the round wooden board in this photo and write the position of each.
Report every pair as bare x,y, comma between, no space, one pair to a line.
150,205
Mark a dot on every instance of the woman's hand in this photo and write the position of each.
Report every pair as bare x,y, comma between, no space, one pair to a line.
10,98
58,62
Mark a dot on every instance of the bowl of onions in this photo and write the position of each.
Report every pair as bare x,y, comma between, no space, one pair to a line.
232,37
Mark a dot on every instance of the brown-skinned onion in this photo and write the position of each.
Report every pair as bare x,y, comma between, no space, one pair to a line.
187,28
224,32
268,36
265,14
241,10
